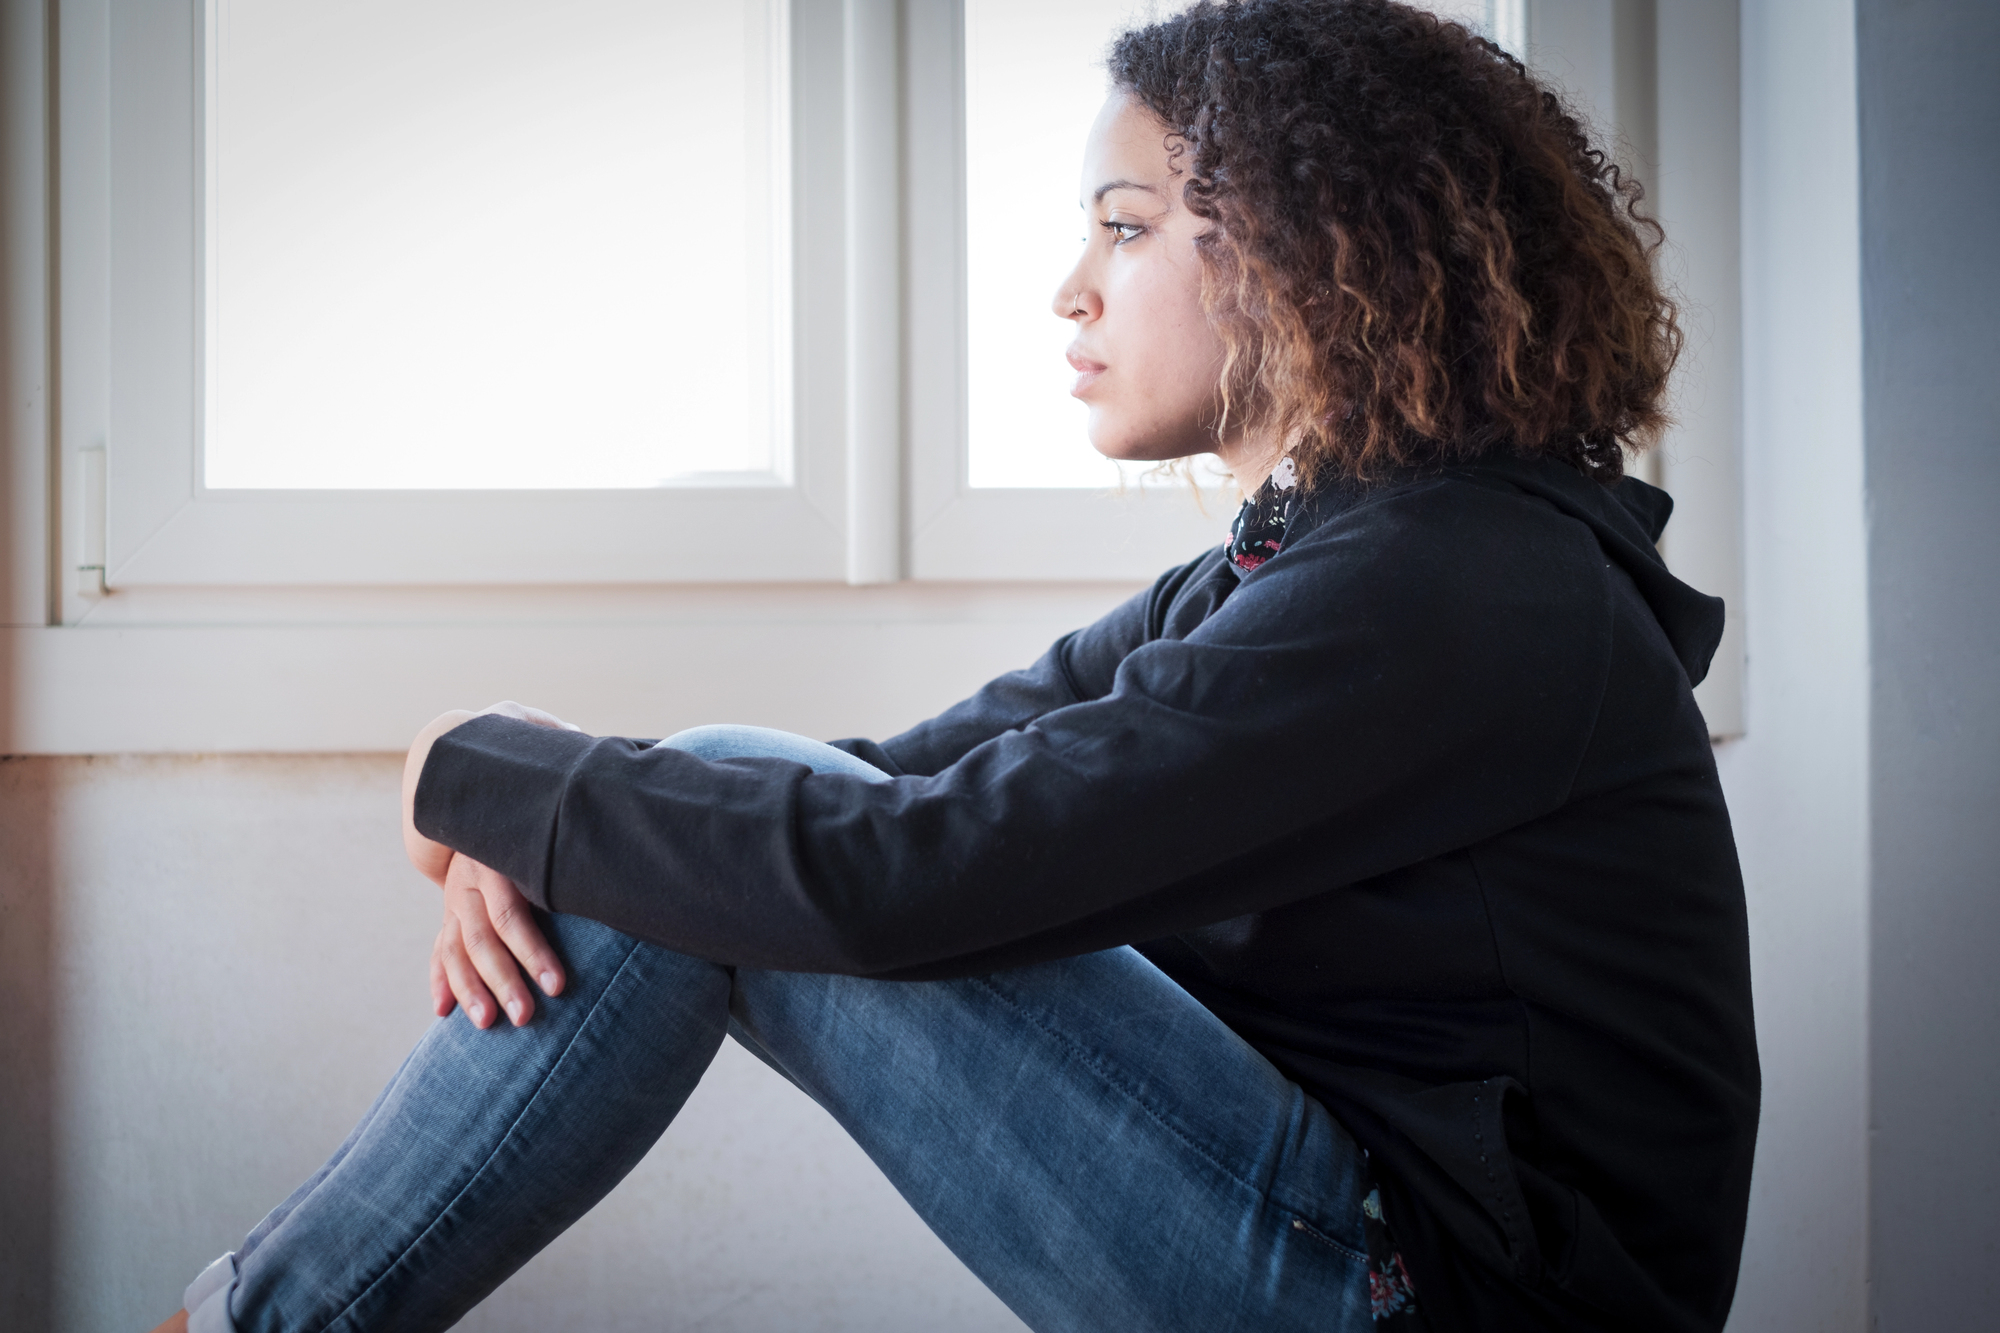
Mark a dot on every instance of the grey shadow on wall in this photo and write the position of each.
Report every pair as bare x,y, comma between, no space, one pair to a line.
27,1046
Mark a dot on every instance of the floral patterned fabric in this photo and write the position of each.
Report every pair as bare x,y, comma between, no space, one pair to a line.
1391,1298
1259,530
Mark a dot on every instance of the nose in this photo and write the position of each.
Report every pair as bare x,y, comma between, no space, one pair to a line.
1073,301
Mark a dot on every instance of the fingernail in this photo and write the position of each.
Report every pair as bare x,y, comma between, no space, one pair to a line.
514,1011
476,1012
548,983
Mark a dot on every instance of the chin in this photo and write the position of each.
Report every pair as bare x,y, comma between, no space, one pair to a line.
1142,453
1125,448
1151,440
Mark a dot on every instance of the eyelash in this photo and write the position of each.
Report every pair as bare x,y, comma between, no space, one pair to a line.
1122,231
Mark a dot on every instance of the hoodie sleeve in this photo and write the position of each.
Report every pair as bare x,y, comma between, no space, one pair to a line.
1080,667
1407,679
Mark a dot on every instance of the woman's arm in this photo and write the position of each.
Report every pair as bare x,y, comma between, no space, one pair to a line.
489,936
1079,667
1378,697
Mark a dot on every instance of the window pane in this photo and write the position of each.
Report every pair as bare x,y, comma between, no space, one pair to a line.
1034,79
495,243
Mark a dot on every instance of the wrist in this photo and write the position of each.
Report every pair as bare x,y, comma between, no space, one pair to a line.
439,725
420,748
430,858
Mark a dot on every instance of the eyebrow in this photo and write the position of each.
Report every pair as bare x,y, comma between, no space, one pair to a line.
1109,186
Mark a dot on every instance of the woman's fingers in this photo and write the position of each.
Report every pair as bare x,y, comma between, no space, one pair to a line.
442,1000
513,919
494,965
489,934
489,953
463,979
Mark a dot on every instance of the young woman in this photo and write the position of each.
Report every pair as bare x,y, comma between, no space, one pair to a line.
1345,932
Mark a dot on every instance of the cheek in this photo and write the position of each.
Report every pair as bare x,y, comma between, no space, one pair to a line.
1163,315
1169,360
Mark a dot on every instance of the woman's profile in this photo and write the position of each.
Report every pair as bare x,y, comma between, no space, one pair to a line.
1344,933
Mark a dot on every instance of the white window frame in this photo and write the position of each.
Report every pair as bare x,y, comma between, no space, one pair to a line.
132,143
710,610
132,146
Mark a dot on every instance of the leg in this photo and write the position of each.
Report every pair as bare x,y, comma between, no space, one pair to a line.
1093,1143
1088,1139
1098,1147
485,1146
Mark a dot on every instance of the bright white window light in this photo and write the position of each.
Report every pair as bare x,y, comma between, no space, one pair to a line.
496,244
1502,21
1034,80
1507,25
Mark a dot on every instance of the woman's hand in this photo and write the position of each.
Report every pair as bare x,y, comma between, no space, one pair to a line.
489,936
432,859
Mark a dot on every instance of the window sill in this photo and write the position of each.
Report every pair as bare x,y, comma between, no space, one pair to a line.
360,670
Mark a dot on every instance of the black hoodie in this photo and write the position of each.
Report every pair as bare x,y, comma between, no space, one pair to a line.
1422,807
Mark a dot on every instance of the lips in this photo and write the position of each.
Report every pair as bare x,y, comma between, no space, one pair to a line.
1086,370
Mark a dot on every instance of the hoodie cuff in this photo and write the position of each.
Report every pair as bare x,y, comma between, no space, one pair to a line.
493,789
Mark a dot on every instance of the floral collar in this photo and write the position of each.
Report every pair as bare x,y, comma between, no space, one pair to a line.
1259,530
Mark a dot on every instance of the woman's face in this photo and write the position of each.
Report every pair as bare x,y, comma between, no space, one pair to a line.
1148,361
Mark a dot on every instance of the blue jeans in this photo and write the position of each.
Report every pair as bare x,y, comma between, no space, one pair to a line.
1094,1144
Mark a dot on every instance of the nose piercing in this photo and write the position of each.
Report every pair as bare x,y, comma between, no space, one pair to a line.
1076,303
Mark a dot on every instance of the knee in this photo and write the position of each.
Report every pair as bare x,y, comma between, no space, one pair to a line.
724,740
740,742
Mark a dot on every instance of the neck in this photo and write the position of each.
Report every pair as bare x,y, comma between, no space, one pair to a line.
1250,460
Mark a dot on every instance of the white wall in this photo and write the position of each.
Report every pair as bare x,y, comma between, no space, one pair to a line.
213,921
1798,782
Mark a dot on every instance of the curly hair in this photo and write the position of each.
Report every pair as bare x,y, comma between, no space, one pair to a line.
1415,254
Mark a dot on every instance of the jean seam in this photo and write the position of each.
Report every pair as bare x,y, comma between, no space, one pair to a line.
1097,1066
1300,1224
480,1170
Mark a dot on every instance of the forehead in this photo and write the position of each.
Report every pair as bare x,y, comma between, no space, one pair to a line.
1127,145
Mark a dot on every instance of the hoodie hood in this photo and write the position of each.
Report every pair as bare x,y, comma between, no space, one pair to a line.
1628,519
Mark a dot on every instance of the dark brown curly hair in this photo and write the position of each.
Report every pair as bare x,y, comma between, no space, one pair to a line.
1415,254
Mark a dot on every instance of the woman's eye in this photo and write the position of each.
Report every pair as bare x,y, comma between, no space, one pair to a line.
1122,232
